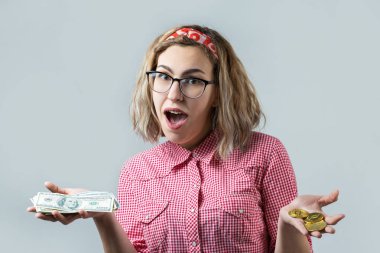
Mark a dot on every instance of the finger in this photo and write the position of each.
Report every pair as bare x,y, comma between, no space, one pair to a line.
316,234
84,214
328,199
330,229
60,217
54,188
332,220
71,218
45,217
65,219
31,209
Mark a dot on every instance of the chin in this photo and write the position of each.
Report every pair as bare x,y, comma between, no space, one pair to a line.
176,138
173,137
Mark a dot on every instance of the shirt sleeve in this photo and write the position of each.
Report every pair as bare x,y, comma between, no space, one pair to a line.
279,189
126,214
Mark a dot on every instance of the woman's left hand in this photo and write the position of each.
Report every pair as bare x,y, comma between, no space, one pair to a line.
312,203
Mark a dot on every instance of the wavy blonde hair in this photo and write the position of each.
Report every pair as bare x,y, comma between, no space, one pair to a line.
238,110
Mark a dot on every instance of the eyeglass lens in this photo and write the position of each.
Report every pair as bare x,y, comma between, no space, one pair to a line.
190,87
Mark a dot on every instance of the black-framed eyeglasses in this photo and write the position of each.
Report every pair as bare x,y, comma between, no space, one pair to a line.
190,87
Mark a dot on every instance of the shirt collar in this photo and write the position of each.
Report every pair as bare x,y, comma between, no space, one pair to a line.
207,149
204,152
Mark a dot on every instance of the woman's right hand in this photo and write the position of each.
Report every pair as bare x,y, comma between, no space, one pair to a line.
64,218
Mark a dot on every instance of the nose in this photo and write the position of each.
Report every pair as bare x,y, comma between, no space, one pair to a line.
175,93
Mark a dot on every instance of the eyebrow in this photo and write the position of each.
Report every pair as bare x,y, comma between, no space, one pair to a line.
186,72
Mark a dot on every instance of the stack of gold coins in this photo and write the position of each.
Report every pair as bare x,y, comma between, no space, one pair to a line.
312,221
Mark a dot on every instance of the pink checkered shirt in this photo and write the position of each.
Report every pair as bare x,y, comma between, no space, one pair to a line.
176,200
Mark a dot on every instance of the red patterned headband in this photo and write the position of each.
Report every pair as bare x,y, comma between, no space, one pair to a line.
196,36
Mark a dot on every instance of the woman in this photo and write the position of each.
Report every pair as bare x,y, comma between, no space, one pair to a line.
214,186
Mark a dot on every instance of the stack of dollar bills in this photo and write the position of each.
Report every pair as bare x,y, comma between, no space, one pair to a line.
91,201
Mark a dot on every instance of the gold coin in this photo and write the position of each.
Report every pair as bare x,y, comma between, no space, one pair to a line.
314,217
315,226
298,213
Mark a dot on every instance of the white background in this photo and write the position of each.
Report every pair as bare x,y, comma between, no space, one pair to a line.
67,69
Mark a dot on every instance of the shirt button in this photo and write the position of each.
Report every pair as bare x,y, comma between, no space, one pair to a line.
194,155
194,244
195,185
241,211
147,217
192,210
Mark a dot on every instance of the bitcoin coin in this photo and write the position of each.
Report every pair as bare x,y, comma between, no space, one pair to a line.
298,213
314,217
315,226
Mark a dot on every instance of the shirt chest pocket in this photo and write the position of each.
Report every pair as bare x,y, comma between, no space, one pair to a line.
241,180
240,218
153,218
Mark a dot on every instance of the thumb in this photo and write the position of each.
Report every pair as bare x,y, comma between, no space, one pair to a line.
54,188
328,199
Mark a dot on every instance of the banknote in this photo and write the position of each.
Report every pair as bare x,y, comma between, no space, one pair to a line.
46,202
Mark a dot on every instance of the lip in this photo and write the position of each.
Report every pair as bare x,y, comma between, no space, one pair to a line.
176,125
175,110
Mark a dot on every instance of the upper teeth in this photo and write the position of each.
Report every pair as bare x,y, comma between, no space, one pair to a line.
175,112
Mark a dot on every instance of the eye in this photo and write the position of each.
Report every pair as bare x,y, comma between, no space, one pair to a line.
162,76
192,81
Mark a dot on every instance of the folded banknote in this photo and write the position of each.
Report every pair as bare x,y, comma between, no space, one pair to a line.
92,201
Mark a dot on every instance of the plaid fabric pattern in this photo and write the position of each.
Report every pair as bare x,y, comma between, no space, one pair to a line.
176,200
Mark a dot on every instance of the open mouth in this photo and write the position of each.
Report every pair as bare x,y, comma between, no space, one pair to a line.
175,117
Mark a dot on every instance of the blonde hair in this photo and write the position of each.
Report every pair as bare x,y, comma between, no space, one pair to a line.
238,110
